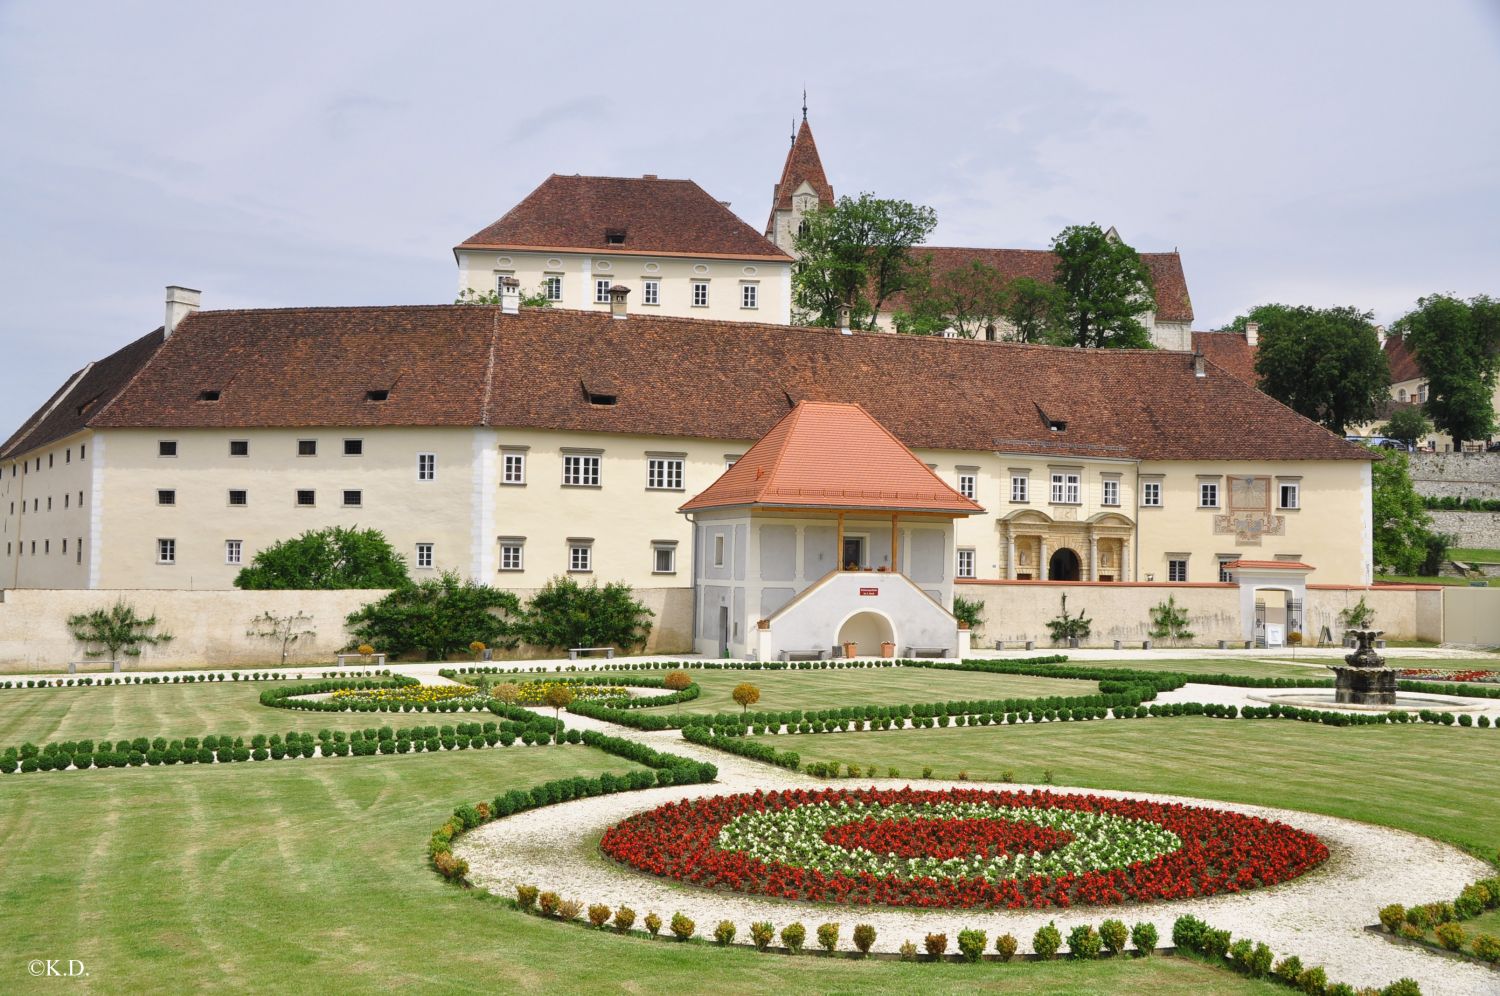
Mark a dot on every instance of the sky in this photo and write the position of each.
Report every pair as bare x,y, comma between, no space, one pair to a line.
270,154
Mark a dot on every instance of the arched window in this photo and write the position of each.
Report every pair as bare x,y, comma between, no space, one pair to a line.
802,227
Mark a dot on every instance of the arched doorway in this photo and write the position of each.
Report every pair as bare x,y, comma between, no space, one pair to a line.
1063,566
869,630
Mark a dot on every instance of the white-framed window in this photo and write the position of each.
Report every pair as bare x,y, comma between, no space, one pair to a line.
426,466
1224,561
664,473
730,459
164,448
663,558
424,555
700,293
239,447
164,496
1289,494
512,553
166,551
965,568
1110,493
1208,494
307,497
239,496
651,292
512,467
580,555
601,291
749,296
232,551
1151,494
718,549
500,276
1064,488
1020,487
967,484
353,499
580,470
1177,569
354,447
307,447
552,286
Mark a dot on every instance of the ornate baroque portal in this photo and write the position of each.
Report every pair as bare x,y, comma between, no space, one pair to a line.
1248,516
1032,539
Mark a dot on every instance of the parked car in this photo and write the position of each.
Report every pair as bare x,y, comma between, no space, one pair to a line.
1383,442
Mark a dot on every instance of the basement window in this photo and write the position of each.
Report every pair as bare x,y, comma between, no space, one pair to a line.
379,394
210,395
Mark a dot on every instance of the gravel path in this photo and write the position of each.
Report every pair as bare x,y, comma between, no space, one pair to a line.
1319,917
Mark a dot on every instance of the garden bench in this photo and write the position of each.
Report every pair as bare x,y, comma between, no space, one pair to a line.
73,666
927,651
573,652
802,655
378,658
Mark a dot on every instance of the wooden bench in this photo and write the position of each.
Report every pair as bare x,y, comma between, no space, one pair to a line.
802,655
573,652
379,659
114,666
927,651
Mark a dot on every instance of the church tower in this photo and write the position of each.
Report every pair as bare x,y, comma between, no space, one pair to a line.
803,187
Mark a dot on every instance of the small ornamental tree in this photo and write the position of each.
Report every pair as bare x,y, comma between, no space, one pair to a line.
1357,616
968,610
332,558
746,695
117,630
438,616
558,696
286,629
1064,627
1169,621
677,680
567,614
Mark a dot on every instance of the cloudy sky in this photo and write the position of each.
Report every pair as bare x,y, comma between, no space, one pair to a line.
319,153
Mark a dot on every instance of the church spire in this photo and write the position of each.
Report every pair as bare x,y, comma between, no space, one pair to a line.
803,187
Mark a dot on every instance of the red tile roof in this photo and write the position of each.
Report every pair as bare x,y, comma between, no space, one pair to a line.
830,455
1403,362
803,165
1172,301
474,365
1279,565
1230,351
654,217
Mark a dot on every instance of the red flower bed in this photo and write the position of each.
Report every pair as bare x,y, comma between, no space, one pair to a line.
1435,673
1220,851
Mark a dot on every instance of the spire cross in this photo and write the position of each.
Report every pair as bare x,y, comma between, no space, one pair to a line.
804,103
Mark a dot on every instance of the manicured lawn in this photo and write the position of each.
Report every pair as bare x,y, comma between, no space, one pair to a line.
124,711
827,689
1225,665
1433,781
1411,579
1475,554
312,877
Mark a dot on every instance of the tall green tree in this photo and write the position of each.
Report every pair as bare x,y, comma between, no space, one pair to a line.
1457,345
1323,363
1406,424
1037,312
857,254
336,557
438,616
1107,288
1403,542
965,300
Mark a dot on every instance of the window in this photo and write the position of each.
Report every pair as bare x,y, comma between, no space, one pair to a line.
46,546
1290,494
651,292
663,557
166,496
1177,569
239,447
164,448
966,485
78,551
354,499
664,473
208,395
424,555
719,550
1208,494
307,447
426,466
238,497
1224,561
378,394
1064,489
49,503
1020,487
730,459
67,458
965,563
512,553
67,500
601,291
1111,492
552,286
700,294
513,468
232,550
749,296
166,551
580,471
1151,494
307,497
81,448
65,545
354,447
580,555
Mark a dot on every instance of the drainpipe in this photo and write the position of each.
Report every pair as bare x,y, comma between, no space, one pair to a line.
693,578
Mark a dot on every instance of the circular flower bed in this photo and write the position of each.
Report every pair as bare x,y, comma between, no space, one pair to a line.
960,847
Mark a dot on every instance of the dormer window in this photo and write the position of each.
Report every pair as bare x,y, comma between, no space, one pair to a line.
601,399
600,391
1056,425
378,394
208,395
614,236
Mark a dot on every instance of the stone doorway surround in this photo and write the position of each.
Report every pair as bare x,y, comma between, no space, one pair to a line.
1030,537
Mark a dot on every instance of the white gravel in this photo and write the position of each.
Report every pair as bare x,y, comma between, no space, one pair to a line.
1319,917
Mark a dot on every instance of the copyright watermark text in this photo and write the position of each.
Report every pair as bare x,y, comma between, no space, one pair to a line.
56,968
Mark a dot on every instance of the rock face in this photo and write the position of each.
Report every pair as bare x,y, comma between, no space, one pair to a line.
1363,678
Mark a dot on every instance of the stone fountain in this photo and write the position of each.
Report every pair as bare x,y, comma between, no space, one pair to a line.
1363,679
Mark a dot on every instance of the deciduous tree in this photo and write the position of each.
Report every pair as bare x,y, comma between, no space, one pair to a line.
1323,363
567,614
1407,425
332,558
1457,345
117,629
439,616
856,254
1106,286
1402,541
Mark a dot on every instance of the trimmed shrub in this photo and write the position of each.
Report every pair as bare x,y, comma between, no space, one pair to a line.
1402,987
549,902
653,924
1450,935
1084,942
762,934
1114,935
1313,981
569,909
828,936
1005,946
526,897
1487,946
682,928
624,919
864,937
599,914
1392,916
971,944
908,951
1288,970
936,945
794,935
1046,941
724,933
1143,936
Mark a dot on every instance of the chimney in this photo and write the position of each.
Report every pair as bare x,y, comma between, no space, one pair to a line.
617,295
181,302
844,319
1199,370
1252,333
510,295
